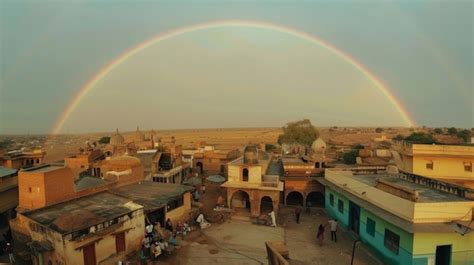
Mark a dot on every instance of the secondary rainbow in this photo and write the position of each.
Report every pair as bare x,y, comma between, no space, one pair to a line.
227,23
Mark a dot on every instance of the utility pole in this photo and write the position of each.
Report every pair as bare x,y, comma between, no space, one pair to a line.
353,250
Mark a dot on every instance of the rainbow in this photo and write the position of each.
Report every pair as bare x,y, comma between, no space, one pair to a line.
227,23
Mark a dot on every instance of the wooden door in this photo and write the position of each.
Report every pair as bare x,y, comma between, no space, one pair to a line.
120,242
89,254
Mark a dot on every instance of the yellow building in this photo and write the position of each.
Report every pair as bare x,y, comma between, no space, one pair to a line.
98,229
251,185
452,163
403,219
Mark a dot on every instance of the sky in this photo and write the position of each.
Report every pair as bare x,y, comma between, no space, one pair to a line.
234,76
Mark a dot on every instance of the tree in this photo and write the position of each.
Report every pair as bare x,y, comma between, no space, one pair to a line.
104,140
399,137
378,130
438,130
358,147
465,135
299,132
452,131
350,157
420,138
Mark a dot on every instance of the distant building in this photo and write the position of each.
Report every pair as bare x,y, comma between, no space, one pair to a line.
405,220
167,165
250,186
88,161
452,163
8,194
213,162
22,158
300,175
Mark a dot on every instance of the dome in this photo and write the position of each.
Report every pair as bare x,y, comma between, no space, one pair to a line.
251,154
319,146
124,160
116,139
137,136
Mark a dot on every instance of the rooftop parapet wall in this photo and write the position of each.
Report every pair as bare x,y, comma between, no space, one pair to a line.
434,149
436,206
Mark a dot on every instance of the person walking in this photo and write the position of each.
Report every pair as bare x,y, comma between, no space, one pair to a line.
9,251
298,214
320,235
333,226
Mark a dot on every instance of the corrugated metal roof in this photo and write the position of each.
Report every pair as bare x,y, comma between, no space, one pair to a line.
5,171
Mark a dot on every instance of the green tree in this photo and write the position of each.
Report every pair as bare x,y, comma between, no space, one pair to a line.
350,157
465,135
378,130
399,137
420,138
438,130
452,131
299,132
104,140
358,147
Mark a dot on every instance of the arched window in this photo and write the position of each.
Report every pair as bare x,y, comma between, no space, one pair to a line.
245,174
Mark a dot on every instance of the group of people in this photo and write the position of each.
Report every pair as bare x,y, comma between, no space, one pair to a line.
158,241
322,228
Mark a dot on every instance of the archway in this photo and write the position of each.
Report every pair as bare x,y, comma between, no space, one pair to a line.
200,167
315,199
294,198
245,174
266,205
240,200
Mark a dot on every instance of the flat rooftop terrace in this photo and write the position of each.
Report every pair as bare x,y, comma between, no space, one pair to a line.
81,213
426,194
152,195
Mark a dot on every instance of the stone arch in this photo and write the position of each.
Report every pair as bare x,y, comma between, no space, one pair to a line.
241,200
294,198
200,167
266,204
245,174
315,199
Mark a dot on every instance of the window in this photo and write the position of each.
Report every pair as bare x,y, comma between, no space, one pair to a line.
37,161
245,174
316,165
391,241
370,227
340,206
29,189
430,165
468,167
323,165
331,199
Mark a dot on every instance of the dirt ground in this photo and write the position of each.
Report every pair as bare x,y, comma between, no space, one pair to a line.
238,241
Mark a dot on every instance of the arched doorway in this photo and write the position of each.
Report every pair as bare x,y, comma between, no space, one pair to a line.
200,167
294,198
240,201
266,205
245,174
315,199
